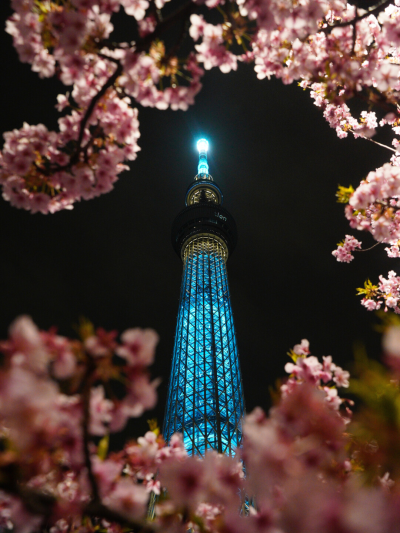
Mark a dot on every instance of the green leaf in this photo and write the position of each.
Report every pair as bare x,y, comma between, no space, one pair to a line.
343,194
102,448
369,290
153,426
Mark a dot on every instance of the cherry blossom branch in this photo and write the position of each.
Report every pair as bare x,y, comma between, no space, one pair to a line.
178,44
376,142
78,148
41,503
98,510
354,35
368,249
181,13
374,11
36,501
109,83
86,393
376,98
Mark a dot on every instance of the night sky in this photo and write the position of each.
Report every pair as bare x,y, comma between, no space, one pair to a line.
278,164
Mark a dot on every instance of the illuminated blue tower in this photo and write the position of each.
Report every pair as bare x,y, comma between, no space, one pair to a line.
205,398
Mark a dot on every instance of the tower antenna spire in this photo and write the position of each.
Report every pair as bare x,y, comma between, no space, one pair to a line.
202,147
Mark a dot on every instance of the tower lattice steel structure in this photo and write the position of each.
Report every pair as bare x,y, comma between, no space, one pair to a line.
205,398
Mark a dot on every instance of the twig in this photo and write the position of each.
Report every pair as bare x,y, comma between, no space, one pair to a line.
105,56
86,392
375,142
375,98
368,249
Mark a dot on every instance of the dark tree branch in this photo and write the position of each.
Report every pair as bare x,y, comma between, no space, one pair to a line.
376,142
374,11
377,98
163,25
86,393
180,14
98,510
78,148
109,83
36,502
354,35
181,38
41,503
368,249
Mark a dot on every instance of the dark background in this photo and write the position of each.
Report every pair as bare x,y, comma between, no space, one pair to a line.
111,260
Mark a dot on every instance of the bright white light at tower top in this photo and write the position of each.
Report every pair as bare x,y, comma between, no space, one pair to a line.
202,145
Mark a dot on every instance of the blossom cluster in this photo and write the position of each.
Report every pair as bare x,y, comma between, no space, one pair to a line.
374,206
212,51
386,293
37,172
307,368
304,460
333,48
53,399
304,41
339,116
344,249
45,171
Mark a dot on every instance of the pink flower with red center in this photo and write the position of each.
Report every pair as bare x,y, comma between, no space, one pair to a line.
185,481
101,344
128,499
152,485
303,348
100,411
341,377
138,347
63,359
135,8
197,27
175,450
107,473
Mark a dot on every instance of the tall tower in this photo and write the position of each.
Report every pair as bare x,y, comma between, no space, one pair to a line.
205,397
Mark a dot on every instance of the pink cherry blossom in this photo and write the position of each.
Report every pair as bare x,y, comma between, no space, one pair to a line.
56,393
135,8
387,293
100,411
343,252
185,481
128,498
197,27
138,346
303,348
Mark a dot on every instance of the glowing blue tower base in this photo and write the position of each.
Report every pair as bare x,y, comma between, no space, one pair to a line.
205,398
